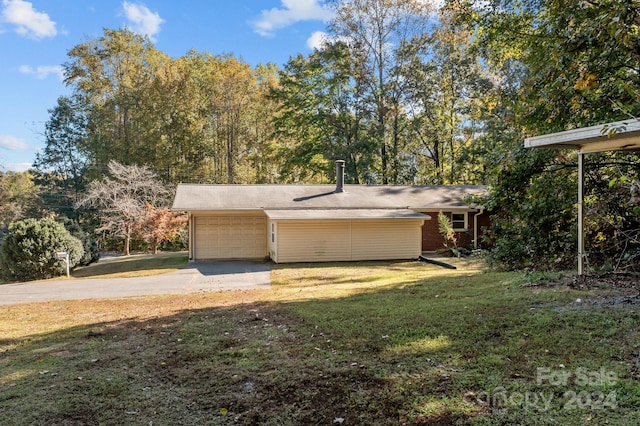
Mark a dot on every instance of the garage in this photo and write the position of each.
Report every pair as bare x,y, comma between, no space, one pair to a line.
229,237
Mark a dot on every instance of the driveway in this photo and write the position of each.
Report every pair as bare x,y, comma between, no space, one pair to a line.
194,278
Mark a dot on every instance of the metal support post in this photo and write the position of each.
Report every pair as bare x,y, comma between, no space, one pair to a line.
581,253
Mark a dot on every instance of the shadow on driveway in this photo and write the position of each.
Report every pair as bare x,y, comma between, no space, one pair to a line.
227,275
228,267
194,278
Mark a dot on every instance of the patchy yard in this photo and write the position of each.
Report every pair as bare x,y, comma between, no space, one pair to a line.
362,343
132,266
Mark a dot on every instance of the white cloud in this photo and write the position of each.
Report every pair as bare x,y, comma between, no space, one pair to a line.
142,19
317,40
17,167
292,11
43,71
27,20
12,143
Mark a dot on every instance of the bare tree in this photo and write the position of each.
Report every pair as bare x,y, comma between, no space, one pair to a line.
121,199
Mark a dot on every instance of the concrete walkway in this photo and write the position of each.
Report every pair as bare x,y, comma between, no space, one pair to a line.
195,277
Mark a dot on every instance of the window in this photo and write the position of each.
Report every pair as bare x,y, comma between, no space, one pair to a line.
459,221
273,232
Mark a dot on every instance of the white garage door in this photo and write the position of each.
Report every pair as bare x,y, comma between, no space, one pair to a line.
230,237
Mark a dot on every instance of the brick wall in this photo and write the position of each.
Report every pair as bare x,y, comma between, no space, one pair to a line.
432,240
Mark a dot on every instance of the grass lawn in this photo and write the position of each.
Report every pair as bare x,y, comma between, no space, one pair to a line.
132,266
381,343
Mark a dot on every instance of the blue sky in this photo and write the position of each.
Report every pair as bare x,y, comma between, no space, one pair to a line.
36,35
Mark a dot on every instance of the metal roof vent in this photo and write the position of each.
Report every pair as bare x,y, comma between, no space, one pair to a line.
339,176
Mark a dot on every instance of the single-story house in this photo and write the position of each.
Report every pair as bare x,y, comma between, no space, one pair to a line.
319,223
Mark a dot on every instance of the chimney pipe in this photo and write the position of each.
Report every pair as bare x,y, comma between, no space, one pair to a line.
339,176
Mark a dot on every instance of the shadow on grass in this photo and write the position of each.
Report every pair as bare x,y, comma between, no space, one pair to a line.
132,264
417,353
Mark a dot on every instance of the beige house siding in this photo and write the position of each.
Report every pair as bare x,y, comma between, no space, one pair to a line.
385,239
313,241
345,240
229,235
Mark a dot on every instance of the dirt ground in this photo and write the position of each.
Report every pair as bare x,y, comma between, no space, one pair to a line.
608,289
620,280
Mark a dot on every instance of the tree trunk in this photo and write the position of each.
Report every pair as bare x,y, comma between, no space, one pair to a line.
127,241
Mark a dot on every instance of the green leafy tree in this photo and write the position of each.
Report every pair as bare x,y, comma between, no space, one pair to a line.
61,169
375,29
261,148
196,118
175,117
445,227
446,88
575,65
19,198
320,118
29,250
112,76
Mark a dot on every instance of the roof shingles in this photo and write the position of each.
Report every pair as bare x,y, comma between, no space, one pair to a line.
193,197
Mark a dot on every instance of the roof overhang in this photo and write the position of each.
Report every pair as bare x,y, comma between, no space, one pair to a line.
450,208
345,214
618,136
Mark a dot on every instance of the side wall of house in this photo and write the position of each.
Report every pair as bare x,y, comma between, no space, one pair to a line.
385,239
313,241
346,240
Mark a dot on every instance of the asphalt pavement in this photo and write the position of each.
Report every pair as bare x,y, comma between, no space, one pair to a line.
194,278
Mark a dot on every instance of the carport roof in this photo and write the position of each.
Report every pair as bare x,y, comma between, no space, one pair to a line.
618,136
192,197
329,214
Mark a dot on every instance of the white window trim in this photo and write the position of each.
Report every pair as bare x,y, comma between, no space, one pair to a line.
466,222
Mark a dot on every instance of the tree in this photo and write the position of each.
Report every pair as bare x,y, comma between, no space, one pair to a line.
445,227
375,29
29,250
175,118
233,88
112,76
61,168
19,198
121,199
576,64
261,145
320,118
189,119
159,224
446,88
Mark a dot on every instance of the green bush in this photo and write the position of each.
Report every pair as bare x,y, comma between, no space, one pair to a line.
90,245
29,250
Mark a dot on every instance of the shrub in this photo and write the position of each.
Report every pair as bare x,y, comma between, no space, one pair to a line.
445,227
90,245
29,250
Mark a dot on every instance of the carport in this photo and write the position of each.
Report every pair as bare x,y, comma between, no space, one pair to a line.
618,136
